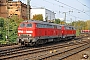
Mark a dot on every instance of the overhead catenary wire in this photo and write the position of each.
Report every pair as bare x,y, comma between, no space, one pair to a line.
64,7
83,4
71,7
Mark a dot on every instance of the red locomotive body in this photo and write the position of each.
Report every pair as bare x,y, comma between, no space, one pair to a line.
38,32
68,32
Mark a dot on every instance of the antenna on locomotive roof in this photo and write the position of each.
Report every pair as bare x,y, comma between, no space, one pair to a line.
50,21
44,21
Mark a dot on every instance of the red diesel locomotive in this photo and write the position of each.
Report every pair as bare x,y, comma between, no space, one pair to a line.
32,32
68,32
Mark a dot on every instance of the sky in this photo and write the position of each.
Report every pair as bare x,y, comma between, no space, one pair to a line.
75,9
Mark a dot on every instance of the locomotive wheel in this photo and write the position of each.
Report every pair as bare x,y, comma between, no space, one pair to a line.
32,44
22,43
26,44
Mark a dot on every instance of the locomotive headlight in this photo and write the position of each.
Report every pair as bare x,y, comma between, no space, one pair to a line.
22,39
30,34
19,34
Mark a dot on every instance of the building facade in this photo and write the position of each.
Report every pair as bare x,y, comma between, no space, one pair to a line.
47,14
12,8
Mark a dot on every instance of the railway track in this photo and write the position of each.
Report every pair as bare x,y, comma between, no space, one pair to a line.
61,54
4,45
37,52
13,44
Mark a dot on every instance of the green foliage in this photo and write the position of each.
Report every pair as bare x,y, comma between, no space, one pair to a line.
38,17
1,22
77,32
88,24
10,28
57,21
13,25
1,28
62,22
81,25
3,42
16,20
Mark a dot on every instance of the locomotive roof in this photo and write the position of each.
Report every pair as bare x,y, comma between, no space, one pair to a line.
35,21
43,22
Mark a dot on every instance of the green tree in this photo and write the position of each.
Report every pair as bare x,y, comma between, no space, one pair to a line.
1,28
9,25
38,17
57,21
62,22
1,22
10,28
79,25
13,25
88,24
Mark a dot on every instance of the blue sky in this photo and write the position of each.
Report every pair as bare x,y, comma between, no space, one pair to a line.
80,9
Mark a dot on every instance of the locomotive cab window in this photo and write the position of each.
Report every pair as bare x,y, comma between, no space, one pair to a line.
22,25
55,26
66,27
58,27
72,28
49,26
39,25
29,25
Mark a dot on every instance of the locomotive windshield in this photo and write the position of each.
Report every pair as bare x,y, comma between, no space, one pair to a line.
22,25
25,25
29,25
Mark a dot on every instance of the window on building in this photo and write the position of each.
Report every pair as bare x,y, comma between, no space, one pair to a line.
16,4
16,10
16,14
10,14
10,5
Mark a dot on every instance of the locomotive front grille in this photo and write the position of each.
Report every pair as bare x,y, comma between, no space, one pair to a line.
25,39
25,36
